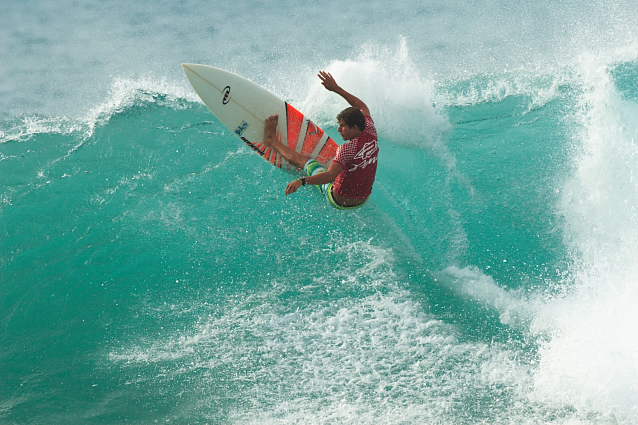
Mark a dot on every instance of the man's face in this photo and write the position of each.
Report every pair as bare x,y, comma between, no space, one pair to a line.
348,133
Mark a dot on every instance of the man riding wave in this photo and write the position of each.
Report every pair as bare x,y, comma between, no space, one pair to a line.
348,180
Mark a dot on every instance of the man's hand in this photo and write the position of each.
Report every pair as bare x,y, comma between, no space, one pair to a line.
328,81
270,130
293,186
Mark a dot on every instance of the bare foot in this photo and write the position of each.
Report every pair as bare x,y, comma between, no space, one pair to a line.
270,130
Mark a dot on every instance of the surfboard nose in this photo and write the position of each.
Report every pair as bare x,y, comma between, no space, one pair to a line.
190,74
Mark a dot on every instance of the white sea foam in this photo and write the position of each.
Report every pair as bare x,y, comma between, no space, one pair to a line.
591,360
123,94
541,86
28,126
514,307
588,358
380,358
399,94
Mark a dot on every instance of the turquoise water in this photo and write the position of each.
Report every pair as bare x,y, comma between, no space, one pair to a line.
153,271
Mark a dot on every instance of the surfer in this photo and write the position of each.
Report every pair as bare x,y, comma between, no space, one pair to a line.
348,180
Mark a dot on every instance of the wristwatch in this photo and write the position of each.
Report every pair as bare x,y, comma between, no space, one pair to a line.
303,181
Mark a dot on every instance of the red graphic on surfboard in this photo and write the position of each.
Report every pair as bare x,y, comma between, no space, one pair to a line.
305,137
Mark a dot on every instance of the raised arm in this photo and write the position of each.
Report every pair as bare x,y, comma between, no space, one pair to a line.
329,83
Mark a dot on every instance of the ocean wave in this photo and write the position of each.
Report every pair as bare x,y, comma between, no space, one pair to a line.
590,361
539,88
125,96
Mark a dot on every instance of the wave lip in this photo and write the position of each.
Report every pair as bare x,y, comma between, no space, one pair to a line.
124,94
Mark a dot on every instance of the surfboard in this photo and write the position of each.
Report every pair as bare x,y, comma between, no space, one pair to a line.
242,106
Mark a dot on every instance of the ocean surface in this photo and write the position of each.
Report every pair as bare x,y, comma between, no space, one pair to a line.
153,271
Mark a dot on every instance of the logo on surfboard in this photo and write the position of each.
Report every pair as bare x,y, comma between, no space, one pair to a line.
226,97
241,128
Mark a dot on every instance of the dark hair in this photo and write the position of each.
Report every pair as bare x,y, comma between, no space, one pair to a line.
352,116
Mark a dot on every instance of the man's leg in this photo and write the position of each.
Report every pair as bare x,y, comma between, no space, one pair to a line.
270,139
313,167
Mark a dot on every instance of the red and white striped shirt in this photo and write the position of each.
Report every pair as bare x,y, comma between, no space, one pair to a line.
358,157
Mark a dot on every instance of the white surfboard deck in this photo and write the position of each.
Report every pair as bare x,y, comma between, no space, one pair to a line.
242,106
